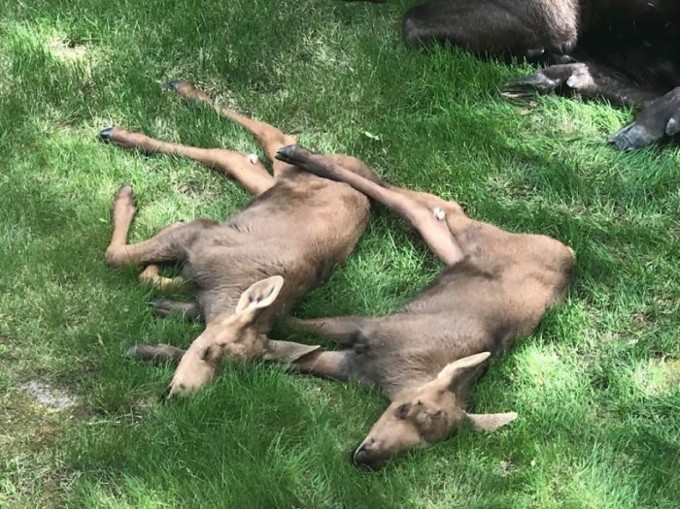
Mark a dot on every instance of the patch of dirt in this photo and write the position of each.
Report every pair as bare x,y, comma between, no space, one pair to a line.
47,396
67,51
505,468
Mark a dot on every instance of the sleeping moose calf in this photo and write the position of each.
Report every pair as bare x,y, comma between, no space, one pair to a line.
496,287
251,268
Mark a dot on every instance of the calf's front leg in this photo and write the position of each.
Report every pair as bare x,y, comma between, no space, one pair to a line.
158,354
166,246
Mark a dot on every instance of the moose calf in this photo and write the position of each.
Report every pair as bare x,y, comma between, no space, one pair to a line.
251,268
496,287
623,50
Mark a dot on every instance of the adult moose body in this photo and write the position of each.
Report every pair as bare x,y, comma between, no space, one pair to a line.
254,266
623,50
496,287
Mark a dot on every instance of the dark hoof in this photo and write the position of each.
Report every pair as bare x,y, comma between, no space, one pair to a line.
658,120
173,84
159,308
286,153
105,134
633,136
529,86
672,127
131,353
162,308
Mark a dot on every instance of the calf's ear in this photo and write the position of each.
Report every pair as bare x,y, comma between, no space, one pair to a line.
490,422
458,371
260,295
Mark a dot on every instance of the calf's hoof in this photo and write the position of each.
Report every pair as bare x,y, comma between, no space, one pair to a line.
287,153
125,197
174,84
105,134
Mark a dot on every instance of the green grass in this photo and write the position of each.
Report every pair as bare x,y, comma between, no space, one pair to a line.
597,387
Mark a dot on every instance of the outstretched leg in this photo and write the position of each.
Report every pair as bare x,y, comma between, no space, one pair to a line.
660,119
584,79
269,137
433,224
659,116
158,354
245,169
326,364
343,330
171,308
168,245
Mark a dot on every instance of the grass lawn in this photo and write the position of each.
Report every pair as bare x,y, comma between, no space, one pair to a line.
597,388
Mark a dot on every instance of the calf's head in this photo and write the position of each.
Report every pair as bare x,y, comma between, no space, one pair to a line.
427,414
235,336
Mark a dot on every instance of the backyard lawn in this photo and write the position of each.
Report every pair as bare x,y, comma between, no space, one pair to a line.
597,387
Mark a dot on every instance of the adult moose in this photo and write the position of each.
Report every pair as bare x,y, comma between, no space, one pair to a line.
496,287
623,50
251,268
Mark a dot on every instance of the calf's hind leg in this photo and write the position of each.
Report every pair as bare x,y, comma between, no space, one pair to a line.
269,137
411,205
246,170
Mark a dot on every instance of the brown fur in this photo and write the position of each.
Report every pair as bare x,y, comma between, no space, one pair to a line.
298,228
496,287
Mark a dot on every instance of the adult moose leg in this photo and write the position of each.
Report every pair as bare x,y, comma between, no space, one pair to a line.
659,119
496,26
585,79
659,116
269,137
431,223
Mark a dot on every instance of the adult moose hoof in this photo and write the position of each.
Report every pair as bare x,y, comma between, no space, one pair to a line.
528,86
659,120
573,78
